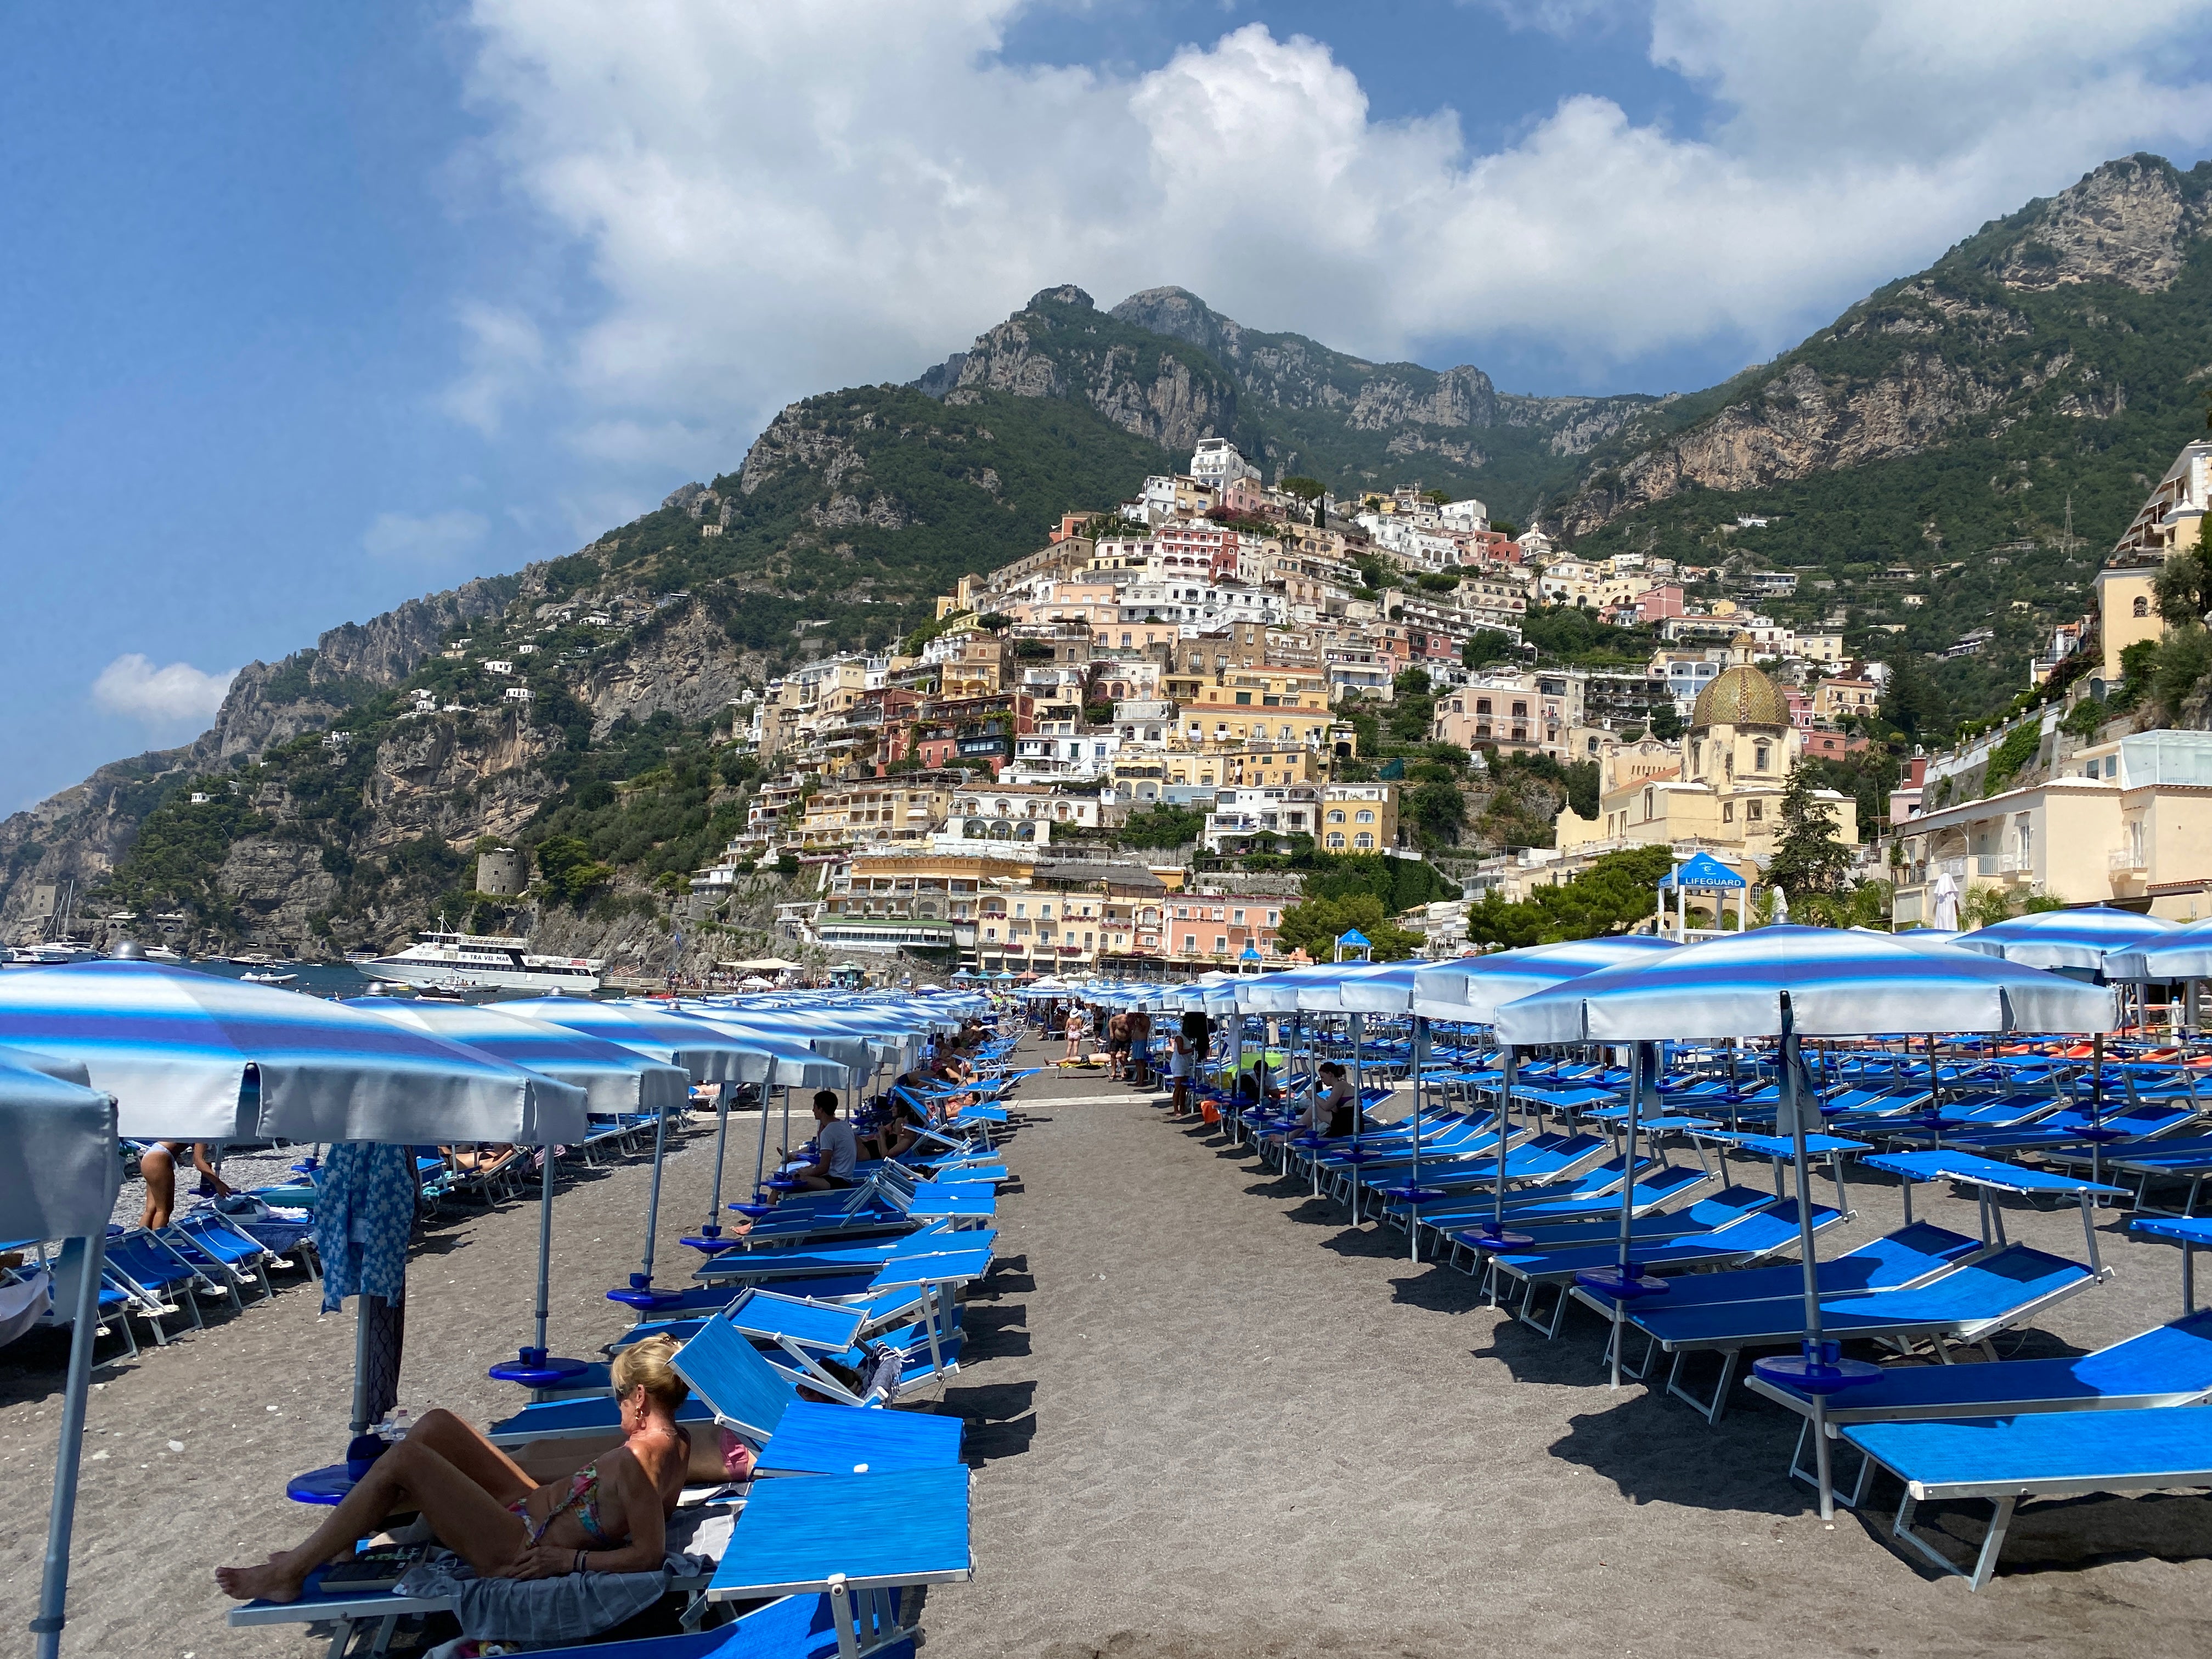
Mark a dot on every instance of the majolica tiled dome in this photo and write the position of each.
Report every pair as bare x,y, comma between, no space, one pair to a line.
1741,696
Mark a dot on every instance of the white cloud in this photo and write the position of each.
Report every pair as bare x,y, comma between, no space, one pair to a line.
777,200
132,685
433,539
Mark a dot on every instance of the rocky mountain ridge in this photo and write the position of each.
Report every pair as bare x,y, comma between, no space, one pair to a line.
1999,327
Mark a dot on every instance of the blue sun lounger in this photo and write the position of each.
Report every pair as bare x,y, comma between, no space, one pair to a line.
733,1384
744,1266
2012,1460
791,1627
1717,1209
1597,1193
855,1538
1966,1306
1740,1241
2168,1365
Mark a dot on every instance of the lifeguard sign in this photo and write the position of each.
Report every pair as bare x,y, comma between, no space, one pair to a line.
1702,874
1356,944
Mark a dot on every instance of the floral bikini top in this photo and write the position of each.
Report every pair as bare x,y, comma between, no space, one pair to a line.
583,1497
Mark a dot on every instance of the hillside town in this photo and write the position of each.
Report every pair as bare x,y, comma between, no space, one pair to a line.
1194,671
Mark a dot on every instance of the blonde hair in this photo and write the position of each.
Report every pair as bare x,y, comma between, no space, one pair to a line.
648,1364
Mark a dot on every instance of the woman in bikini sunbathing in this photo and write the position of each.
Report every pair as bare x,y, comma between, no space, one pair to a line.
608,1516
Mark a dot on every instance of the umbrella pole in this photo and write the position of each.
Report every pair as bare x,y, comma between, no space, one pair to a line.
1822,1453
1636,1073
1412,1199
1355,1027
713,1227
84,1254
2096,1104
545,1249
652,1199
359,1423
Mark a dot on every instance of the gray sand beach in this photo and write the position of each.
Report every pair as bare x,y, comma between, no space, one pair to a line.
1207,1417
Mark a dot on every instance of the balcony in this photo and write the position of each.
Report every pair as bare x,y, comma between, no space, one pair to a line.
2123,860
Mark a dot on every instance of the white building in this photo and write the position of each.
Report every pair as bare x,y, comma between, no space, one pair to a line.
1217,461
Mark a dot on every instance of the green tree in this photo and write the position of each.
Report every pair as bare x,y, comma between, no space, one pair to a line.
1315,925
1810,857
2185,587
1162,826
1913,702
1438,811
567,868
1612,895
1666,724
1488,646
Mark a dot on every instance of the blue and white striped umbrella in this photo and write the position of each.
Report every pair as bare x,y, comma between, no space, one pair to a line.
1278,994
175,1048
804,1059
710,1056
2184,953
1470,990
614,1079
2066,938
1841,983
58,1169
58,1177
1363,988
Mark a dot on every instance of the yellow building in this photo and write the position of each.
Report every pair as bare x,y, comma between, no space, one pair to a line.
882,809
1264,764
1359,818
2171,521
1240,707
1735,762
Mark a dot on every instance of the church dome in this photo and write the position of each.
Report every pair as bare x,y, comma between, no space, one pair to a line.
1741,696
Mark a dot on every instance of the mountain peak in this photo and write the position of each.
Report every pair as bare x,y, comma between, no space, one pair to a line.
2129,222
1066,294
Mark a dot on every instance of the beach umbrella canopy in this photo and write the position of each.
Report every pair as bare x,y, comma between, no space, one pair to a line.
1362,987
1471,989
2068,938
177,1050
58,1169
1278,994
1841,983
800,1064
710,1056
614,1079
58,1177
2184,953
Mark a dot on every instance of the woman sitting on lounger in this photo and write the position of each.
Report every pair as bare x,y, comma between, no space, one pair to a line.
609,1516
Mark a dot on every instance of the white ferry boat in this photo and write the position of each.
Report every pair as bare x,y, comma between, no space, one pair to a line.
459,960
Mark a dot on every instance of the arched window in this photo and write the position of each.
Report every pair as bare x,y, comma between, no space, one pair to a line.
1364,840
1697,756
1337,816
1336,840
2142,605
1363,816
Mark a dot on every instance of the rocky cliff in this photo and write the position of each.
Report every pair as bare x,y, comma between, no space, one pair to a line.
2005,326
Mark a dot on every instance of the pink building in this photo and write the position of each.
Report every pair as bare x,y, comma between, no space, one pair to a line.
1655,603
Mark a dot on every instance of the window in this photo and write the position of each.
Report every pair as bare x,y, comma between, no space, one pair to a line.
1336,840
1273,917
1520,711
1482,705
1755,811
1759,758
1020,908
1727,811
1364,839
1190,944
1337,816
1045,910
1236,916
1220,943
1363,816
1244,698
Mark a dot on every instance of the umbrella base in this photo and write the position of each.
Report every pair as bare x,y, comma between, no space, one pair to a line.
1809,1375
534,1368
1412,1194
711,1243
326,1488
1491,1237
1622,1284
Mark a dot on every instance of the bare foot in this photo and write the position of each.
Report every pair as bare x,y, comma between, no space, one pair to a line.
275,1580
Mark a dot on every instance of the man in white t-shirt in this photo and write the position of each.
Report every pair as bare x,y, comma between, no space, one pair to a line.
836,1149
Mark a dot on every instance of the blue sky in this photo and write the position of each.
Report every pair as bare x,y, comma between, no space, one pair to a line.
316,308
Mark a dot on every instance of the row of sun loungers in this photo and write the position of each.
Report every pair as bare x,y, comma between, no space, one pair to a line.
2009,1431
798,1339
